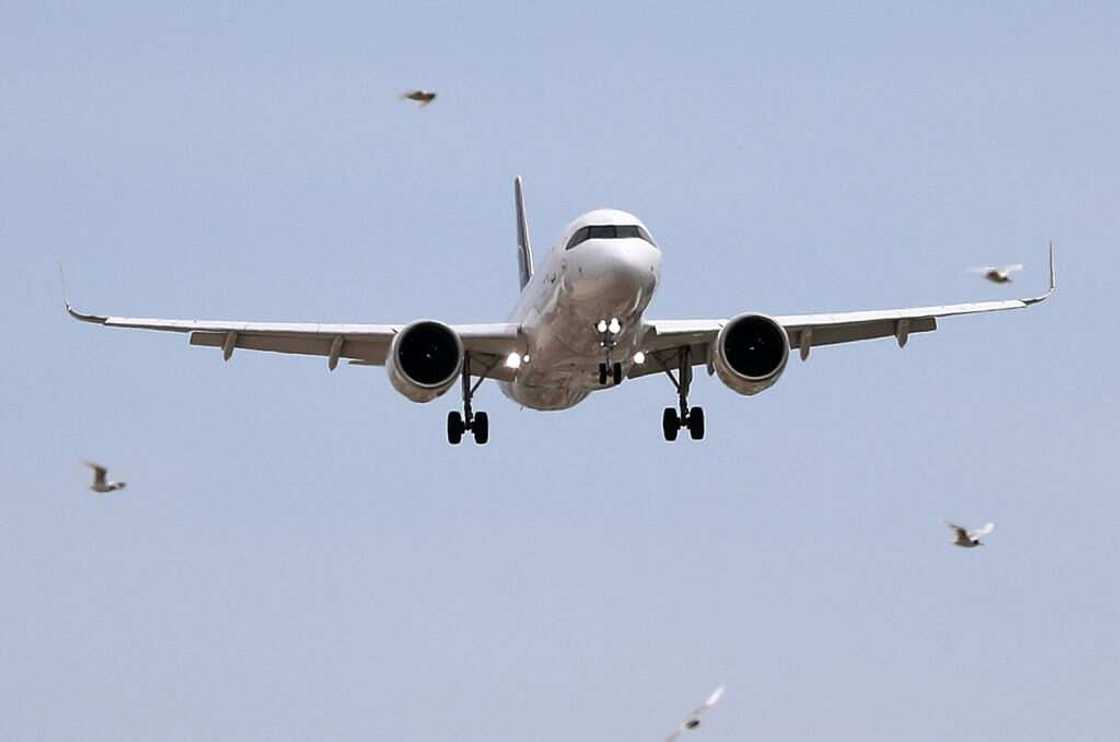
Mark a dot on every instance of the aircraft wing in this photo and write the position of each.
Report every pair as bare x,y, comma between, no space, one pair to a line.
361,344
664,339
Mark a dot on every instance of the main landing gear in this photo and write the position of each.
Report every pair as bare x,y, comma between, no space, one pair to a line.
672,421
478,423
608,337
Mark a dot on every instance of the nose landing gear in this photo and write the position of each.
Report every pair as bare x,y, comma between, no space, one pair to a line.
672,420
608,338
610,370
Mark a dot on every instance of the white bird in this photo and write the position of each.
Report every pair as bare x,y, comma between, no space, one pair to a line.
100,481
998,273
968,539
693,719
423,97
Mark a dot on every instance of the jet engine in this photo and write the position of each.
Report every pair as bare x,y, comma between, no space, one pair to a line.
425,360
750,353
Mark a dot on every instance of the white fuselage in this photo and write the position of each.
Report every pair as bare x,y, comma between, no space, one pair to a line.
560,309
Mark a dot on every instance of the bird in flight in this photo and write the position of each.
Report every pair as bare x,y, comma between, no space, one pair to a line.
423,97
692,721
998,273
101,482
968,539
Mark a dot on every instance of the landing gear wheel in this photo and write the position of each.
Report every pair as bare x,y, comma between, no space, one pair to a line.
455,428
696,423
602,374
670,424
481,428
616,372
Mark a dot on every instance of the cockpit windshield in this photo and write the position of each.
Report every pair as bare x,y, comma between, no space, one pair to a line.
609,232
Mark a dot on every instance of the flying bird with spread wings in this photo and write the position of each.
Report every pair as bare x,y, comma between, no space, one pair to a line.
968,539
423,97
101,482
692,721
997,273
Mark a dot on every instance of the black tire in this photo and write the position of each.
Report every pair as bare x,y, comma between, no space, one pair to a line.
616,372
481,428
670,424
455,428
602,374
696,423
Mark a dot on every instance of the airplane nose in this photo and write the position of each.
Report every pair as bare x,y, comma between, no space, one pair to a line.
616,274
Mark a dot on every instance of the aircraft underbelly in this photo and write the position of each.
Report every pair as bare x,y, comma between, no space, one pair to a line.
565,351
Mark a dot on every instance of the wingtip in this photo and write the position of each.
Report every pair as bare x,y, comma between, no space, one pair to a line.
81,316
1053,281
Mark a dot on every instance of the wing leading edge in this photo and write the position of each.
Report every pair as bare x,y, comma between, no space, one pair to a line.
807,331
365,344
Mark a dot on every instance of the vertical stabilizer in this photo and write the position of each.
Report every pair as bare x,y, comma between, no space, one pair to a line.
524,249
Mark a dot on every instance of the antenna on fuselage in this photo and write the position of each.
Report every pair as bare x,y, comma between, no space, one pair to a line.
524,249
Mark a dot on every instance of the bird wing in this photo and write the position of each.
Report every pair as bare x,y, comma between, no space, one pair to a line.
982,269
988,528
99,472
961,531
1012,268
694,715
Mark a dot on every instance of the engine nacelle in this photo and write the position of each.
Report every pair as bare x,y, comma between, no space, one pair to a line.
425,360
750,353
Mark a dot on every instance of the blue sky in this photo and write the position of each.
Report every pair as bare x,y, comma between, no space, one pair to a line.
300,554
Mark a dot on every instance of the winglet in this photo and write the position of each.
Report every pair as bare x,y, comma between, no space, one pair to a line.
95,318
1053,281
1053,276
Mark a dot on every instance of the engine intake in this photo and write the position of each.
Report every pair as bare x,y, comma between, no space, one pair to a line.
425,359
750,353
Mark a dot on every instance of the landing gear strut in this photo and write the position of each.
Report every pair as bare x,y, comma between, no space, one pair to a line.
608,336
613,371
478,423
673,420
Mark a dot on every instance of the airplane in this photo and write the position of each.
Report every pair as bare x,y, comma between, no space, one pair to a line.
578,327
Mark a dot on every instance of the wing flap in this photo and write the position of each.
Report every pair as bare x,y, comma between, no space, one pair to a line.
358,348
862,330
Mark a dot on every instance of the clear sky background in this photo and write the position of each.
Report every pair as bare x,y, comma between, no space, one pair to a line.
300,555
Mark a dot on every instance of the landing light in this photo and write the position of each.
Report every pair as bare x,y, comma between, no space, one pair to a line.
639,358
513,360
602,326
614,326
